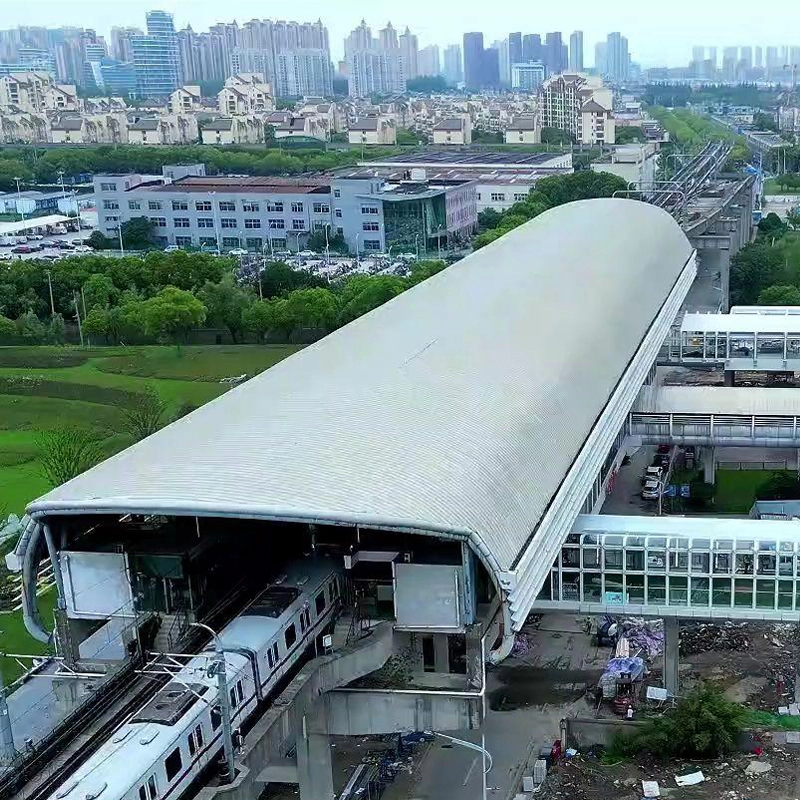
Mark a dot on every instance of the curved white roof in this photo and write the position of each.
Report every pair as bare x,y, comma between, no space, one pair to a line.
458,407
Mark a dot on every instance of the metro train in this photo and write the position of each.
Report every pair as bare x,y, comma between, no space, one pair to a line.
162,748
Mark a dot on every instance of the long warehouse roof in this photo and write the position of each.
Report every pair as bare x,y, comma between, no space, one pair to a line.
458,406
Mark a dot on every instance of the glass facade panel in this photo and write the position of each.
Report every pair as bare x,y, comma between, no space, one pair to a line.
765,594
678,590
634,560
743,593
656,590
592,587
721,595
699,595
700,562
634,586
785,593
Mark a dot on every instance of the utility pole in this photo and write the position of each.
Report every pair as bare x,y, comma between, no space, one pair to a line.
78,315
50,285
224,701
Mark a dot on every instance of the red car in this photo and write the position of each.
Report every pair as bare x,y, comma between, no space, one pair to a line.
22,248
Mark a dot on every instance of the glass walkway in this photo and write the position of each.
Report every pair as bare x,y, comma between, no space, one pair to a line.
678,567
749,338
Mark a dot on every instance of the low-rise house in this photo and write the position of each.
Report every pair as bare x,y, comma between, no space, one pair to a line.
526,129
454,130
372,130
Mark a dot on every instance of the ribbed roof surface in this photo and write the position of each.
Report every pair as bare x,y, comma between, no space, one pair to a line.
460,405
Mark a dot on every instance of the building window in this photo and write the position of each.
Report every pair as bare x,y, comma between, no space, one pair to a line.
320,226
290,636
297,208
338,213
340,231
180,205
134,205
250,206
112,218
372,244
205,222
108,187
173,763
252,223
110,205
208,241
337,192
320,603
202,205
276,224
322,208
520,197
369,209
230,241
279,244
159,222
228,222
498,197
371,226
181,222
277,206
154,205
183,241
254,244
227,205
298,224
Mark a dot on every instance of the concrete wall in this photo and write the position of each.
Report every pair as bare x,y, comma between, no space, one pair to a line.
581,733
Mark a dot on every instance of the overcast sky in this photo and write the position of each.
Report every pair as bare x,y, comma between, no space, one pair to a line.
658,34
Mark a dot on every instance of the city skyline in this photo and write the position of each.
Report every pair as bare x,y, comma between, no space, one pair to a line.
669,45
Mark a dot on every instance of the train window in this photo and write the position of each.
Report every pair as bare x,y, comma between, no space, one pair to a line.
320,601
192,748
290,636
275,653
269,658
173,763
152,788
302,622
216,718
142,793
198,735
240,691
233,696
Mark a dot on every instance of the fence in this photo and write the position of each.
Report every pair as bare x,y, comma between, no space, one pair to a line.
768,466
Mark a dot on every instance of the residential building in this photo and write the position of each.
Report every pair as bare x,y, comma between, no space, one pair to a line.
474,62
374,66
372,130
453,69
121,47
618,60
634,163
528,77
428,62
32,92
164,129
515,48
155,57
576,52
525,129
409,213
409,50
491,68
455,131
600,58
303,72
185,100
532,49
245,94
242,129
580,106
286,125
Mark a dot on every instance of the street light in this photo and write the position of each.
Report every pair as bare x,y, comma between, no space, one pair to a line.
50,285
7,750
121,245
224,705
20,210
481,748
416,245
357,237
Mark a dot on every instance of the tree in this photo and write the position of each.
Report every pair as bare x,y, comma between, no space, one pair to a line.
226,303
278,278
307,308
764,122
772,225
422,270
7,328
427,84
98,241
704,724
487,137
138,233
30,327
145,416
97,323
99,291
335,242
556,136
488,219
629,134
363,293
409,138
260,317
56,329
779,486
779,296
172,313
755,267
66,453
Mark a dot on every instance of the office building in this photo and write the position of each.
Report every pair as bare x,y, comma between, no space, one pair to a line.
712,57
576,52
746,58
759,57
528,77
618,60
121,48
374,66
503,63
532,48
600,58
730,63
554,53
112,77
491,68
409,50
453,70
515,48
473,60
155,57
429,62
698,54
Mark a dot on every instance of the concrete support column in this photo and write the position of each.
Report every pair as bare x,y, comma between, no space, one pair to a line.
314,764
730,377
724,262
671,656
441,653
475,655
709,458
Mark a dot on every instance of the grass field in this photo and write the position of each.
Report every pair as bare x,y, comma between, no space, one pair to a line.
736,490
771,187
15,639
44,388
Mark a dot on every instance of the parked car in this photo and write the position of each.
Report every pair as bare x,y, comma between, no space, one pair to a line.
5,256
52,256
171,248
59,229
21,239
664,448
7,241
83,248
21,249
651,490
652,474
238,252
35,236
307,254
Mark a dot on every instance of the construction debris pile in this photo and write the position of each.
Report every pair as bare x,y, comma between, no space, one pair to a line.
707,636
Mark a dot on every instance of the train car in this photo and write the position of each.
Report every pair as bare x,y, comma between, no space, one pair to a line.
160,750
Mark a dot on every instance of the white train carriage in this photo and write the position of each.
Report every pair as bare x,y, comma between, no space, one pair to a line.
160,750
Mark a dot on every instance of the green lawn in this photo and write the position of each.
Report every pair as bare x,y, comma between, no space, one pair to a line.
771,187
736,490
15,639
43,388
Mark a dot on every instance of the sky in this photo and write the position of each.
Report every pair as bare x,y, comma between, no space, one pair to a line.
658,35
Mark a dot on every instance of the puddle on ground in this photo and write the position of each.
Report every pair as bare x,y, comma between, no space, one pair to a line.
522,687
